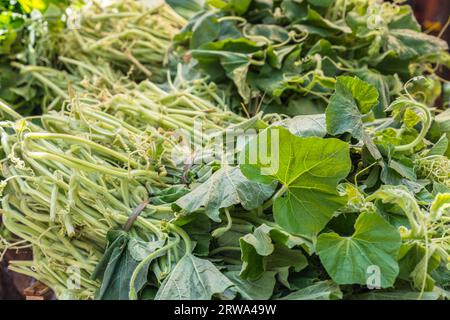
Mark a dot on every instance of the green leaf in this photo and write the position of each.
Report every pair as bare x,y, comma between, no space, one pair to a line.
364,94
440,147
260,289
309,169
139,250
381,83
273,33
226,187
412,259
29,5
404,167
194,279
115,268
121,257
352,98
205,29
397,295
230,45
294,10
199,231
169,195
321,3
411,118
405,19
323,290
374,243
442,276
186,8
403,198
440,206
240,6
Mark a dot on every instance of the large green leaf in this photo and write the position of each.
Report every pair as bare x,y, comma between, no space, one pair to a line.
403,198
226,187
348,260
312,125
260,289
314,18
272,33
352,98
121,257
409,44
308,168
115,268
194,279
186,8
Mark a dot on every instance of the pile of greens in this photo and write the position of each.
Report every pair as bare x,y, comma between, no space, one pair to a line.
55,45
342,192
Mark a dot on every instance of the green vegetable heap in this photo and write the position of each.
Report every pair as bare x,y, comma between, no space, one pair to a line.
335,184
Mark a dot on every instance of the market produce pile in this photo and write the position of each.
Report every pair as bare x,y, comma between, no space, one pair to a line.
285,149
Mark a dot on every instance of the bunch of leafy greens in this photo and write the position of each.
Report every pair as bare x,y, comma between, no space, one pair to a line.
284,55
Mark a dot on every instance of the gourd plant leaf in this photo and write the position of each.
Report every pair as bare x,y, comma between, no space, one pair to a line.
204,30
226,187
260,289
440,206
352,98
348,260
309,170
323,290
316,20
194,279
240,6
321,3
273,33
186,9
381,83
268,248
404,199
